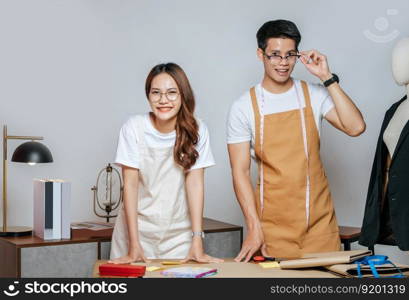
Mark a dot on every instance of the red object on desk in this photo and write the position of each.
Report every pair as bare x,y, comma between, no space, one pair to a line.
259,258
121,270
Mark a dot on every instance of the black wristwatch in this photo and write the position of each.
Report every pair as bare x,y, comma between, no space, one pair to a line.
330,81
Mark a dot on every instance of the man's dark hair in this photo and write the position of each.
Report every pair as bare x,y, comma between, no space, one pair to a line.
277,29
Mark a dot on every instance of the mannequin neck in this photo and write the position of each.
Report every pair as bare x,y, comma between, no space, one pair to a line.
407,90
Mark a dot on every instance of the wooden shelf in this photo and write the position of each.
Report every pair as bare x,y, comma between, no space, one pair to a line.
33,241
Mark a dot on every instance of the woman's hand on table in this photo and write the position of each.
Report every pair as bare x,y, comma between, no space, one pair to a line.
197,254
134,255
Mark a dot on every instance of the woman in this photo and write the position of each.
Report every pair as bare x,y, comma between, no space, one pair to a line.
163,155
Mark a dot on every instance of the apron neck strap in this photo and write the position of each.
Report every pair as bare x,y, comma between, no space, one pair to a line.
306,93
254,101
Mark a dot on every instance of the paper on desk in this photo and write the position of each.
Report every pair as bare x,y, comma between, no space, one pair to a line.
269,265
154,268
171,263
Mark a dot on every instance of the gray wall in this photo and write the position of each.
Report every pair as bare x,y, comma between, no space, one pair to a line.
73,71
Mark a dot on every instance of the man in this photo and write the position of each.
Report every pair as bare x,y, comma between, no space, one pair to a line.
278,121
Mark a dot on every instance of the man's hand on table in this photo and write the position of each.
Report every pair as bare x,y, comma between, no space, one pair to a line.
253,242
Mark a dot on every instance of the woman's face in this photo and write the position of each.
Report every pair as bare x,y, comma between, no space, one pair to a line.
164,97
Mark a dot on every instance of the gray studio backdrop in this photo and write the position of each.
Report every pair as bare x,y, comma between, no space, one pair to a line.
73,71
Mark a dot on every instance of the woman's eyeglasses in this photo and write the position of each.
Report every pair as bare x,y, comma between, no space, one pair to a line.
155,95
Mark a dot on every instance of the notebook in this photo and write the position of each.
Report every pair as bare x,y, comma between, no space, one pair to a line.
324,259
189,272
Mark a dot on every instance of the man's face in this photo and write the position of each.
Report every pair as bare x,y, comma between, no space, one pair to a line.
277,69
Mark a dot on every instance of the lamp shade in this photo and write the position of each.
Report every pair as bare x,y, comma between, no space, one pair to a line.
32,152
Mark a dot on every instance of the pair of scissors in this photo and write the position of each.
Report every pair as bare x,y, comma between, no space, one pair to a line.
260,258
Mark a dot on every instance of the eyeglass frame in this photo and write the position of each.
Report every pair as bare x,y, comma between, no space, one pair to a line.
164,93
280,56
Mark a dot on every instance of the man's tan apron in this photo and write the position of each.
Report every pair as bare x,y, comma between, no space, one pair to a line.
291,226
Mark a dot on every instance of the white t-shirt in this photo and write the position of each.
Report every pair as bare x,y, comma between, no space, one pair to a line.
127,152
241,123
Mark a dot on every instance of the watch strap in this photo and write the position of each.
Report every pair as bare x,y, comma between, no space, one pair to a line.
198,233
330,81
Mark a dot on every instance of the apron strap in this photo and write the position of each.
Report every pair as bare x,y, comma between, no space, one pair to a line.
257,120
305,141
259,139
259,130
306,93
254,101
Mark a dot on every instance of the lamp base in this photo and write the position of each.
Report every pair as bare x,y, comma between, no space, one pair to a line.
15,231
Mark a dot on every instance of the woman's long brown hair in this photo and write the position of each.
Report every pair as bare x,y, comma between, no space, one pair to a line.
187,129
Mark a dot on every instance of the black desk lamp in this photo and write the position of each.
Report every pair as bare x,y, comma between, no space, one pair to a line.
28,152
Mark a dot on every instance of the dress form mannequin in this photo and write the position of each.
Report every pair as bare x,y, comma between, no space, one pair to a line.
386,218
400,70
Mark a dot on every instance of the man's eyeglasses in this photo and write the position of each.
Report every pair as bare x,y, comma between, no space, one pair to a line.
171,95
275,58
